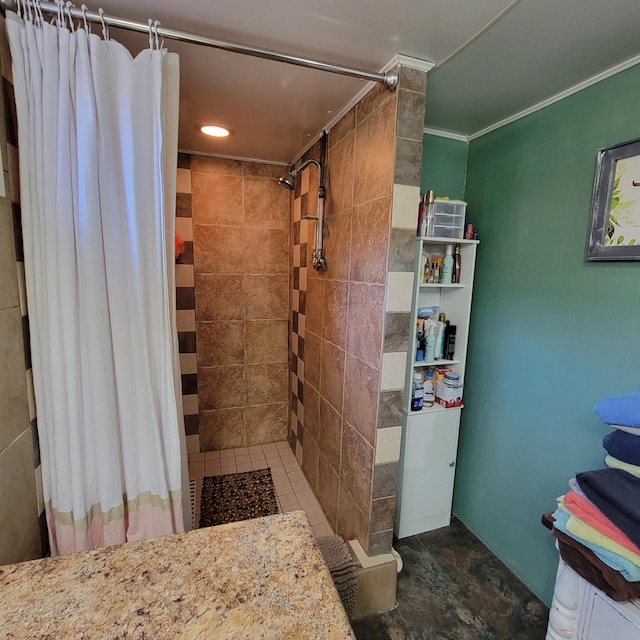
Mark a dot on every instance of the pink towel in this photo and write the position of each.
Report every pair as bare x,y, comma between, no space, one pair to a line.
590,514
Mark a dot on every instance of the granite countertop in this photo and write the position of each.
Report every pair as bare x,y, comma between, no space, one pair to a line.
262,578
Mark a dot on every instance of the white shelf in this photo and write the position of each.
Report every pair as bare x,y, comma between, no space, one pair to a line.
433,240
435,285
434,363
437,408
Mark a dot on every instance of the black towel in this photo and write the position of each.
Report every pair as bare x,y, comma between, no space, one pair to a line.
623,446
617,494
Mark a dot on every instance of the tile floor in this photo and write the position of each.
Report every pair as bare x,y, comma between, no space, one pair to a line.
292,489
453,588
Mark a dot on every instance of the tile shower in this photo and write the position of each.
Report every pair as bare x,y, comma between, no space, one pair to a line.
317,359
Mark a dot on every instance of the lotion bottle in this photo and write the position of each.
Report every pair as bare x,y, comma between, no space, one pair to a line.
447,266
457,264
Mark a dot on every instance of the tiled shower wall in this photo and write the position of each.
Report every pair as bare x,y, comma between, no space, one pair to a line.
23,534
240,226
346,404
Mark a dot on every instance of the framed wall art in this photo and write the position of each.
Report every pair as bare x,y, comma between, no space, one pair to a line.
614,229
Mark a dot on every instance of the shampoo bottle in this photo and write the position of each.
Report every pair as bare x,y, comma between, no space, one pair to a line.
440,337
447,266
457,264
430,345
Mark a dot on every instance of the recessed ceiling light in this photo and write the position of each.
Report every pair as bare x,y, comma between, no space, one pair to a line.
216,131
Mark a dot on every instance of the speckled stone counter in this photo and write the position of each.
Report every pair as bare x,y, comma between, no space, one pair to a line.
262,578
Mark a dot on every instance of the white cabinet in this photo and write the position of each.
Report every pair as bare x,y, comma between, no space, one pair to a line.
430,436
580,611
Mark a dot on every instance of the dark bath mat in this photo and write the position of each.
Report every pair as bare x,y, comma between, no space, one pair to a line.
237,496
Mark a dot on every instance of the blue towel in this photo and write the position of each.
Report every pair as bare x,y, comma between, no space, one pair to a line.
617,494
624,410
623,446
630,571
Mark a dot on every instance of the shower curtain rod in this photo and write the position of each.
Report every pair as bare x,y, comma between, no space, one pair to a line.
389,78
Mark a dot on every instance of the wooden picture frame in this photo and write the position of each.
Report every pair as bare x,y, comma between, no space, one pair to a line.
614,229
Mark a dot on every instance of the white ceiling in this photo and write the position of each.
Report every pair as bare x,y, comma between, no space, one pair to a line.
535,50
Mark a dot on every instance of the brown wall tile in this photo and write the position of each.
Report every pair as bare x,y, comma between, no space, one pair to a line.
218,249
266,203
372,101
380,543
408,162
315,305
222,166
337,245
410,114
310,452
221,387
312,359
267,384
370,241
356,466
361,386
390,408
332,374
382,514
385,479
365,322
402,250
413,79
334,324
396,332
262,170
220,343
266,341
266,423
330,433
219,297
311,411
267,297
216,199
342,127
327,491
374,154
340,175
352,523
266,251
222,429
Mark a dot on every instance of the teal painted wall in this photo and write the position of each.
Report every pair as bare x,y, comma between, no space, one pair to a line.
550,333
444,164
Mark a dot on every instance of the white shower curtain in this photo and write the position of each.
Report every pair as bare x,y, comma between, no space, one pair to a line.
96,214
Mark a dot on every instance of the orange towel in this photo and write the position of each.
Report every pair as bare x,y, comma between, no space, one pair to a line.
590,514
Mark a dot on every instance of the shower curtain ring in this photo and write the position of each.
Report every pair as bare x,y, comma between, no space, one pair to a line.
150,23
84,10
105,29
68,6
159,44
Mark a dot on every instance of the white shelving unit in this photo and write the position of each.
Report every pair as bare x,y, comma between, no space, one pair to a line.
430,436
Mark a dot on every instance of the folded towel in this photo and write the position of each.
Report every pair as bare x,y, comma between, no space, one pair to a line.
617,494
620,410
620,563
591,515
586,564
623,445
614,463
574,486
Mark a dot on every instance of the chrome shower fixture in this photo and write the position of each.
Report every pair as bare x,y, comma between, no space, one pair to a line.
288,180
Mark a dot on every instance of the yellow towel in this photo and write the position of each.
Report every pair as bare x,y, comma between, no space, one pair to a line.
614,463
581,529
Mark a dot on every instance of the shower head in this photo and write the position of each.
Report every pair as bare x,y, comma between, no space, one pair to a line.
288,180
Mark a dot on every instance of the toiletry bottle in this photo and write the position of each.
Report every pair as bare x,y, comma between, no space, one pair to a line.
457,264
420,347
447,266
442,318
449,341
431,215
430,345
427,268
422,216
429,392
417,392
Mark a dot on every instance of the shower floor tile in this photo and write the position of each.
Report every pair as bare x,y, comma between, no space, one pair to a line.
292,489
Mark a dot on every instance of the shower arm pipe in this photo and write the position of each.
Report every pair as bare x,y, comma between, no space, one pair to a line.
317,254
388,78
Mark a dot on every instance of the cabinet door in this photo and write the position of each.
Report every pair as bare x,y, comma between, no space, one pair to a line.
429,458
